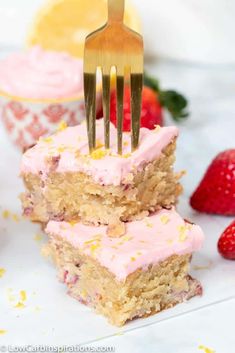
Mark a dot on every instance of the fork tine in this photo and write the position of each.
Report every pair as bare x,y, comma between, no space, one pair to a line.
120,92
106,106
90,105
136,95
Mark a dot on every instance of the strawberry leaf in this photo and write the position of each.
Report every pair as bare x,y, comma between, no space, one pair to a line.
171,100
175,103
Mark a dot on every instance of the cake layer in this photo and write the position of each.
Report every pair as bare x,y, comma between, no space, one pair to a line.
64,182
136,275
69,151
144,243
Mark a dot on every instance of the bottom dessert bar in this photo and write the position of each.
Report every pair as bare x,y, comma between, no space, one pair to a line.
135,275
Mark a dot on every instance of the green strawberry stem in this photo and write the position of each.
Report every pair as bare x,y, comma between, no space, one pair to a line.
173,101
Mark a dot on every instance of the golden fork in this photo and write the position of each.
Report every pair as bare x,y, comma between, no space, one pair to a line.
113,45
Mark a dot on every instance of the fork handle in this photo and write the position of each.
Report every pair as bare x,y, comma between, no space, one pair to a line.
116,10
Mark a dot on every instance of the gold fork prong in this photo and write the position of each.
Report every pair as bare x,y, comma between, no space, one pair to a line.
120,94
106,106
114,45
90,106
136,95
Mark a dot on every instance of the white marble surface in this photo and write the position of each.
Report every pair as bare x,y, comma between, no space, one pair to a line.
61,320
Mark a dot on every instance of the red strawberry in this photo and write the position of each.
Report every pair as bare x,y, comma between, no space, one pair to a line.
226,242
216,191
151,112
153,102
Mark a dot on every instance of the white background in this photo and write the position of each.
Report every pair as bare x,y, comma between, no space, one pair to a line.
193,30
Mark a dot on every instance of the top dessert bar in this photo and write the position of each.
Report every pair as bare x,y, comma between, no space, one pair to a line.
64,182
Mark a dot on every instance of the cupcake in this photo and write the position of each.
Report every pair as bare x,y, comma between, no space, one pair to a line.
39,91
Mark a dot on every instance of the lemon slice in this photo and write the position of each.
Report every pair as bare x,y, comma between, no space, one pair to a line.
62,25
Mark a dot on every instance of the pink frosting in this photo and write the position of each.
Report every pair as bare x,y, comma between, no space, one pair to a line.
71,146
146,242
41,74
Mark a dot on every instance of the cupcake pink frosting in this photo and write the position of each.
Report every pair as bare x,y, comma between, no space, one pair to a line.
70,147
41,74
146,242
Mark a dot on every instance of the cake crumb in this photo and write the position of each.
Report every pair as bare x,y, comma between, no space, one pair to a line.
116,230
2,332
2,272
206,349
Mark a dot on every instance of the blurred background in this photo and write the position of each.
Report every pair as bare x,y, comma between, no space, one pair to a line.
198,31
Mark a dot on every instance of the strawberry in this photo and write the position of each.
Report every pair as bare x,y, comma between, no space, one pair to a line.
226,242
216,192
153,102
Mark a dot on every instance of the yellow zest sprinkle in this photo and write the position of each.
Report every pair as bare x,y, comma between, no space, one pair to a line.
72,223
182,232
139,253
114,247
99,144
94,247
169,241
37,237
77,154
2,332
126,155
206,349
157,128
62,126
2,272
133,258
119,333
99,153
164,219
148,224
23,295
143,241
15,217
125,143
47,139
126,237
19,305
5,214
61,149
120,243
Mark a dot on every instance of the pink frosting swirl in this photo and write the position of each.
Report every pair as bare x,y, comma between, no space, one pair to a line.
41,74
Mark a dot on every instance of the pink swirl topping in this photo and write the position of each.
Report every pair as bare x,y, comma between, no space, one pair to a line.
146,242
41,74
105,166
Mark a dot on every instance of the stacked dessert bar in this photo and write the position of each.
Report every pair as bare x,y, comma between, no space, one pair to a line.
114,234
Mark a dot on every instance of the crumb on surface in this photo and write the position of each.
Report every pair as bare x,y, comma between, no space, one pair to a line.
37,237
206,349
2,272
6,214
